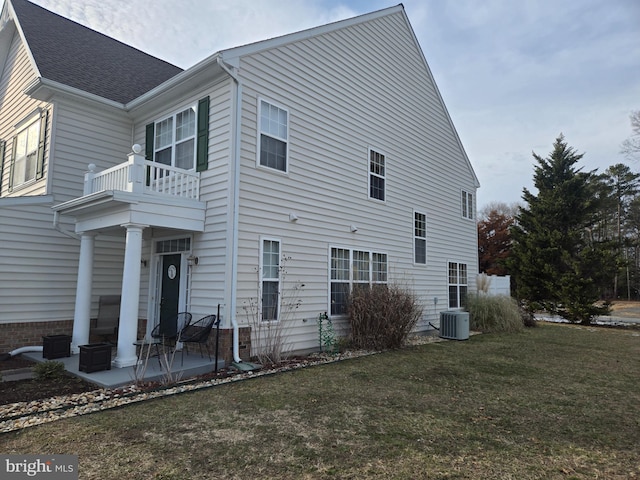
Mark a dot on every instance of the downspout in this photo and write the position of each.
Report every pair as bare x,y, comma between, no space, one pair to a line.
56,225
235,201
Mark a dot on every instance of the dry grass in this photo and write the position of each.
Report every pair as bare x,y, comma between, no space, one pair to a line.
552,402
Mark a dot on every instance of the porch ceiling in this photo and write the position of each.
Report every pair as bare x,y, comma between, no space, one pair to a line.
112,208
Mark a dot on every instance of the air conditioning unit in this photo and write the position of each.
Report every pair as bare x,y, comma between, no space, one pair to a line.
454,325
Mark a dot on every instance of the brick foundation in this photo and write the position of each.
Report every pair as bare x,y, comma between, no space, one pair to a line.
16,335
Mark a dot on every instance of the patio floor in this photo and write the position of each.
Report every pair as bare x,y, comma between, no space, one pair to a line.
194,365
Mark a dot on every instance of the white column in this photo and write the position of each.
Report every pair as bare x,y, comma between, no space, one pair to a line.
82,313
128,329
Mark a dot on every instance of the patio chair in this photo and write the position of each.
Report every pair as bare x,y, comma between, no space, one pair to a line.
106,324
198,333
165,334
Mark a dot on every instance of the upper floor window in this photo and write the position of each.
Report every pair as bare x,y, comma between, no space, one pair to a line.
274,132
457,284
467,205
27,157
419,238
175,140
377,175
182,139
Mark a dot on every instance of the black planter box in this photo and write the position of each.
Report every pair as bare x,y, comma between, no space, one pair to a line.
56,346
95,357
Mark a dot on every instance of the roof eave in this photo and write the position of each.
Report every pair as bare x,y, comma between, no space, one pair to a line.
43,89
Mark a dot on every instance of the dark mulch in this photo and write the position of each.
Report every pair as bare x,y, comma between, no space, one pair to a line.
32,389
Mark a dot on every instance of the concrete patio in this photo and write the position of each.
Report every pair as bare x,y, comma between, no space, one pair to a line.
194,364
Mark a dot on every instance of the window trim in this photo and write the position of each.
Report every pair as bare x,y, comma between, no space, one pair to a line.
467,204
416,237
372,273
260,133
262,279
372,174
38,116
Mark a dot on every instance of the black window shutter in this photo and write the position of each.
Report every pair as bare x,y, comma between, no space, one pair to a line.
202,159
148,142
13,161
41,144
2,147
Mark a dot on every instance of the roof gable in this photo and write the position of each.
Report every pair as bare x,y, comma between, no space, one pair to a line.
72,54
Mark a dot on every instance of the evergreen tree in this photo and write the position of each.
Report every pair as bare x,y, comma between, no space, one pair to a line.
555,261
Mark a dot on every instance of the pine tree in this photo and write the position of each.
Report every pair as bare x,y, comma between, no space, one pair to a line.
556,263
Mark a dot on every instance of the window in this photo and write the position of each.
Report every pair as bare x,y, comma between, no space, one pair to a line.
274,132
457,284
467,205
175,139
270,279
181,140
354,269
376,175
27,157
419,238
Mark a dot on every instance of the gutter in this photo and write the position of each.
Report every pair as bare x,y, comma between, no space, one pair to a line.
56,225
235,201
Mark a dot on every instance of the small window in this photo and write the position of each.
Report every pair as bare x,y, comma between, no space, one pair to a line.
274,132
419,238
377,175
467,205
270,280
457,284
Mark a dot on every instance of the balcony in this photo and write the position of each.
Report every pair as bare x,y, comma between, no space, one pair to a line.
137,191
141,176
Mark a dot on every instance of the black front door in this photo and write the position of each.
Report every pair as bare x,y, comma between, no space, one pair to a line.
170,294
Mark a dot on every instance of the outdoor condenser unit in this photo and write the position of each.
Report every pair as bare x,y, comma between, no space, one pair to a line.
454,325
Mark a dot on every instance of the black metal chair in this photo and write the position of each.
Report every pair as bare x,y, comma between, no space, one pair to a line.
166,334
198,332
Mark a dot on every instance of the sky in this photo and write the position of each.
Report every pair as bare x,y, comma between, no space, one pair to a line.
514,75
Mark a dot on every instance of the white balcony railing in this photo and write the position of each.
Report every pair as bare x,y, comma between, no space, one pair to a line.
138,175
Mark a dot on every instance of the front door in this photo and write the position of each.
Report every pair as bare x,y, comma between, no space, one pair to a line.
170,293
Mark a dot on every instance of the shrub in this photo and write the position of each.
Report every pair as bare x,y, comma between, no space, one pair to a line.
494,313
49,370
381,317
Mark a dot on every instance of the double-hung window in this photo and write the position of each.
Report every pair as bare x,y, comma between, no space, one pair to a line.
457,284
467,205
27,157
377,175
175,140
351,269
419,238
274,134
270,280
181,139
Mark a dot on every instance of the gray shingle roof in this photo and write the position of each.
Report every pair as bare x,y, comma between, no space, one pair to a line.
74,55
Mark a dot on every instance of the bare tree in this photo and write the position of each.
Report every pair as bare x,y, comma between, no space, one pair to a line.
631,146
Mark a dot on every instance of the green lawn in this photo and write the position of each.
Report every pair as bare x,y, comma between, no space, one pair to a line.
552,402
